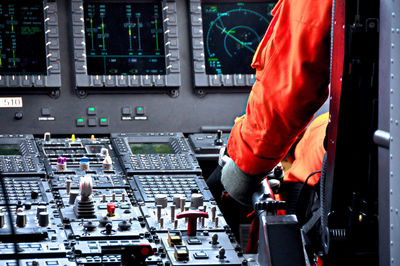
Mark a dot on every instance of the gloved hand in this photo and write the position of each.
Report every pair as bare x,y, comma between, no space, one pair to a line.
239,184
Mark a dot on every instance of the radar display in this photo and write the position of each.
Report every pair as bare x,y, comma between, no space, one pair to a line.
124,38
232,32
22,25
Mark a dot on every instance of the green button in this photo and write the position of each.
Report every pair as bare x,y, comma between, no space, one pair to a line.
80,120
103,119
140,108
91,109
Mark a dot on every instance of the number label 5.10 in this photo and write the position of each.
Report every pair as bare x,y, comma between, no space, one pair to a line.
10,102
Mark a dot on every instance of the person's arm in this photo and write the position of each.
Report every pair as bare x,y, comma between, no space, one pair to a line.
292,78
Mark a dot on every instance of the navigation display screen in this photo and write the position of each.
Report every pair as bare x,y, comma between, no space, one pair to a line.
151,148
232,32
22,38
124,38
6,149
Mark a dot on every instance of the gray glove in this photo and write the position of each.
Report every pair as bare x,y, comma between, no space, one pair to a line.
238,184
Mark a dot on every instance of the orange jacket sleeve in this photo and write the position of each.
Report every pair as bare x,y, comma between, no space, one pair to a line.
309,153
292,76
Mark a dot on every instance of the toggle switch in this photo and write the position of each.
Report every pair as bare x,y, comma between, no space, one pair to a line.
47,136
219,141
61,163
84,163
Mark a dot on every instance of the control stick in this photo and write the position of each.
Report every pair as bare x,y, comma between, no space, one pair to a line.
219,141
192,216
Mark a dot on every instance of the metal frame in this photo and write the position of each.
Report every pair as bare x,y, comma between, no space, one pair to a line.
53,77
171,79
394,175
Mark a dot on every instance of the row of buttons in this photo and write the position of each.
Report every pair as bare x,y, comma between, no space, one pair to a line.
33,263
30,146
160,161
22,189
168,185
92,122
16,164
99,259
98,181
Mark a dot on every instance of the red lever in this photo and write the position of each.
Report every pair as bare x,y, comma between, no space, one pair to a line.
192,215
110,209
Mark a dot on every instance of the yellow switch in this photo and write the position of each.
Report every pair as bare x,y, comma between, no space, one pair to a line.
73,138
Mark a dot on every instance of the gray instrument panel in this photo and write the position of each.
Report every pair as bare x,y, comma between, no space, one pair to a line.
64,109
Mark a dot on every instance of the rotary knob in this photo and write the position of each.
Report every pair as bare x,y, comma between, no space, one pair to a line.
162,200
196,200
21,219
43,219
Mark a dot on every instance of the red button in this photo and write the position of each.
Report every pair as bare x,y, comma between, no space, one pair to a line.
110,208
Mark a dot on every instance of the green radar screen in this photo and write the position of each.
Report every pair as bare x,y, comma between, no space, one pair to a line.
232,32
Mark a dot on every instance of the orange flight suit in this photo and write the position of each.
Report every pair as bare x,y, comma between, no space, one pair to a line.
292,76
309,153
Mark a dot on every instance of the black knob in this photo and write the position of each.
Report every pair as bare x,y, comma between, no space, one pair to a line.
89,226
21,219
104,221
108,229
218,141
44,219
34,195
18,115
124,226
28,205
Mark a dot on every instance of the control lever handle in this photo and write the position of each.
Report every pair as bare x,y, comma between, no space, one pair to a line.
192,216
264,199
219,141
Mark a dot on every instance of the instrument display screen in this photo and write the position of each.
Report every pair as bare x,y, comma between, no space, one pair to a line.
151,148
124,38
22,25
231,33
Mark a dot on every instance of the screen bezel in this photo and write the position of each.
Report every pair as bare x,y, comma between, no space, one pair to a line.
52,78
213,83
169,82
